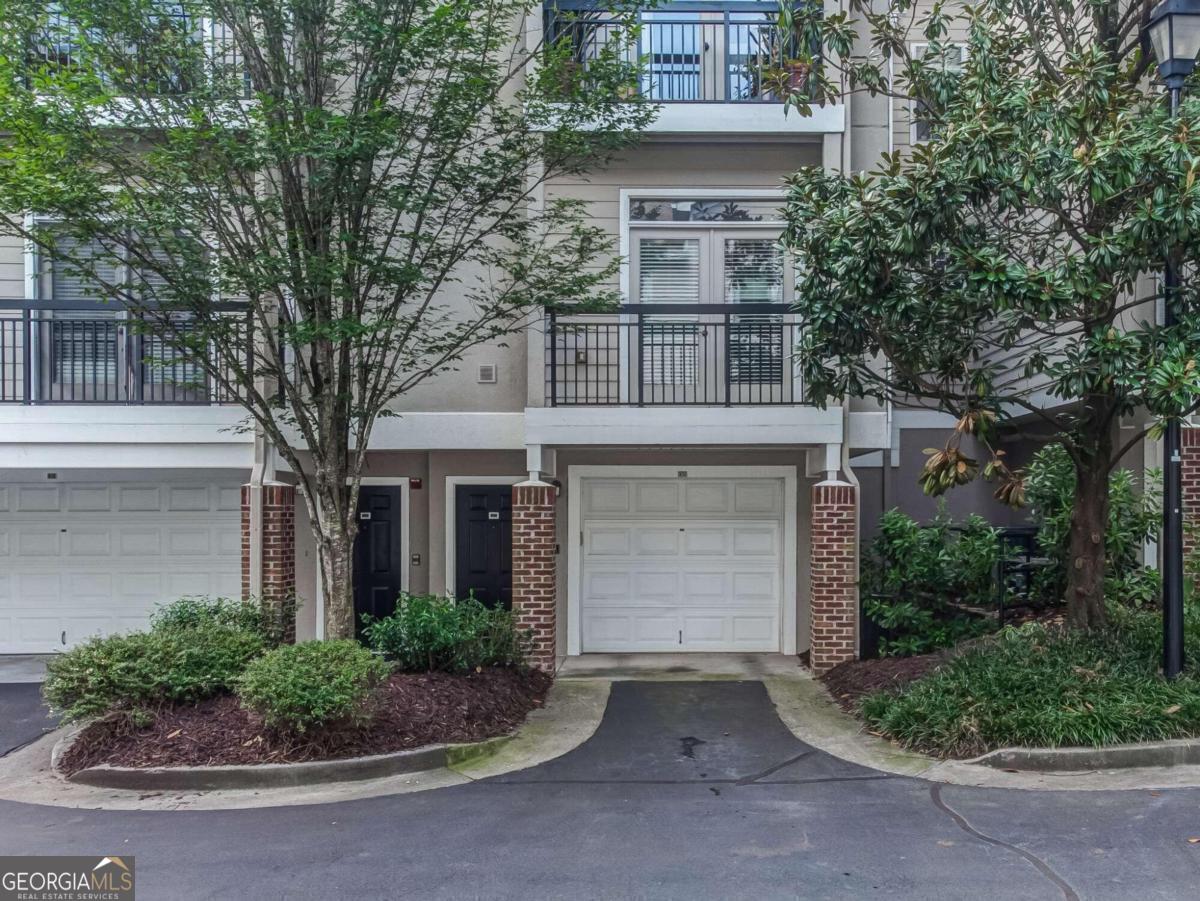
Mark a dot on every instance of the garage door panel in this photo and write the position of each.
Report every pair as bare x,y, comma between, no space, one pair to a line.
81,559
89,499
655,587
652,541
138,499
755,542
656,497
89,542
608,497
694,565
706,497
40,499
188,542
614,542
706,542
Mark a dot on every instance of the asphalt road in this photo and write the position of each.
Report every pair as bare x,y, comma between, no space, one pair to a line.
687,790
23,716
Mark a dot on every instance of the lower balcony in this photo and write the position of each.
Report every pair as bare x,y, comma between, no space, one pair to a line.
84,353
655,355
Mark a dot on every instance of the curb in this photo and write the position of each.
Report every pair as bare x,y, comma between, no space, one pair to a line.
1178,752
276,775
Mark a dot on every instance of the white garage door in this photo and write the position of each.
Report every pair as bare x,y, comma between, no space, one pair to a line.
682,564
83,559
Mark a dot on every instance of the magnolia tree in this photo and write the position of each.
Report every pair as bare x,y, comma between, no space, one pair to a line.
1002,272
323,203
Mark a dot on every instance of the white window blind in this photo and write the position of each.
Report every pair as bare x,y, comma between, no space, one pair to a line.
85,342
669,270
753,271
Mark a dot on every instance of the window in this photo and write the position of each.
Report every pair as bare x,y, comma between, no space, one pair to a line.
707,256
952,58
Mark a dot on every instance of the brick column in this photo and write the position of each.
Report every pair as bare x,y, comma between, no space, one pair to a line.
834,576
278,543
534,567
1191,493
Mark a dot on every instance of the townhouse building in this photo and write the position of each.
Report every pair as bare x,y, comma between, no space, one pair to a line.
649,479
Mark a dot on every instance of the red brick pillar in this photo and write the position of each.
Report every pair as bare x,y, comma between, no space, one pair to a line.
277,537
834,576
533,568
1190,470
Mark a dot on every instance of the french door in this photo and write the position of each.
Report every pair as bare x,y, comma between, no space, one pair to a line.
720,357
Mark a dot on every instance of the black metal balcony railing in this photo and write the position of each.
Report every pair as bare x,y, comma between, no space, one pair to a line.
76,353
212,53
687,51
673,354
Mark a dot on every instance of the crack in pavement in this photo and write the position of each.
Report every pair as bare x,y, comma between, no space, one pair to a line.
746,780
935,794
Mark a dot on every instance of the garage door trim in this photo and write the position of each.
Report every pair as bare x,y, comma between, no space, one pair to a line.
577,474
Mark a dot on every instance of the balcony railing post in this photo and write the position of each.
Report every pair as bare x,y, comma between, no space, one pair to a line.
134,350
552,337
640,349
26,356
728,363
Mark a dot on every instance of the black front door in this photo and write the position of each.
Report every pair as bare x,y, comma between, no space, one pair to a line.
483,545
377,552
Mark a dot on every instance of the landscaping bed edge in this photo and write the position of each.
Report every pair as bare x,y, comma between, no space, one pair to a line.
274,775
1176,752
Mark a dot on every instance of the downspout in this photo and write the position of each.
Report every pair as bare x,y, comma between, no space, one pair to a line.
850,476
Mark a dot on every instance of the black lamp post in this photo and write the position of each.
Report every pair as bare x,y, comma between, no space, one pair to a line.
1174,30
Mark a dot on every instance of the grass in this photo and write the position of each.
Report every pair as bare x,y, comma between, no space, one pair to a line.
1046,687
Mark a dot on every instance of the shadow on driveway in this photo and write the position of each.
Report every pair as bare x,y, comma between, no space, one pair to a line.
23,715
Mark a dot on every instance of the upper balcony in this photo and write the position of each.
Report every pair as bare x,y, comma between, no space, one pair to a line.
72,352
673,355
712,65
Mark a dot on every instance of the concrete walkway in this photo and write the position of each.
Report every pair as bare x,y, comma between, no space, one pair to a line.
688,789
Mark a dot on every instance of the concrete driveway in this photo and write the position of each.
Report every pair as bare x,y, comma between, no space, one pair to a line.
687,790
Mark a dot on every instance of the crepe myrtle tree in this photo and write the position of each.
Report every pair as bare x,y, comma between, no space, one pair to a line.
1002,271
362,175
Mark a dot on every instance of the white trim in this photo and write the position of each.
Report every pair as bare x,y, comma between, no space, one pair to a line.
789,595
704,426
451,536
405,519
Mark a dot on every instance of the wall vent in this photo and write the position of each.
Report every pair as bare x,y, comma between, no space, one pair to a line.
487,374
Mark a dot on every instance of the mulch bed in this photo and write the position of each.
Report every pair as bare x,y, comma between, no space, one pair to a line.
853,680
411,710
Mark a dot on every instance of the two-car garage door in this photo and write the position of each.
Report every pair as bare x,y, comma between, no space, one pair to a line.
78,559
681,564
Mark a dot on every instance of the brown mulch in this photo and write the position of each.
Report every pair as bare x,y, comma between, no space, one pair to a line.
853,680
410,710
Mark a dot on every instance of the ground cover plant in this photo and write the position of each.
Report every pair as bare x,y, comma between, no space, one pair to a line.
1046,686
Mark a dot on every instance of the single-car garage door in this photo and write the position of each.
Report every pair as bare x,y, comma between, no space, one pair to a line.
681,564
80,559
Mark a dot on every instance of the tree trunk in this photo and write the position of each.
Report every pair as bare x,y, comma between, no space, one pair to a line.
1086,560
337,574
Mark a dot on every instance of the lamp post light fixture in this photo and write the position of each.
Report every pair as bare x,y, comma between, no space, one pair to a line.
1174,32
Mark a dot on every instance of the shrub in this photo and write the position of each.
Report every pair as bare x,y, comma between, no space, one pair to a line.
434,633
1134,516
933,565
922,571
145,669
1045,687
914,630
311,686
200,612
